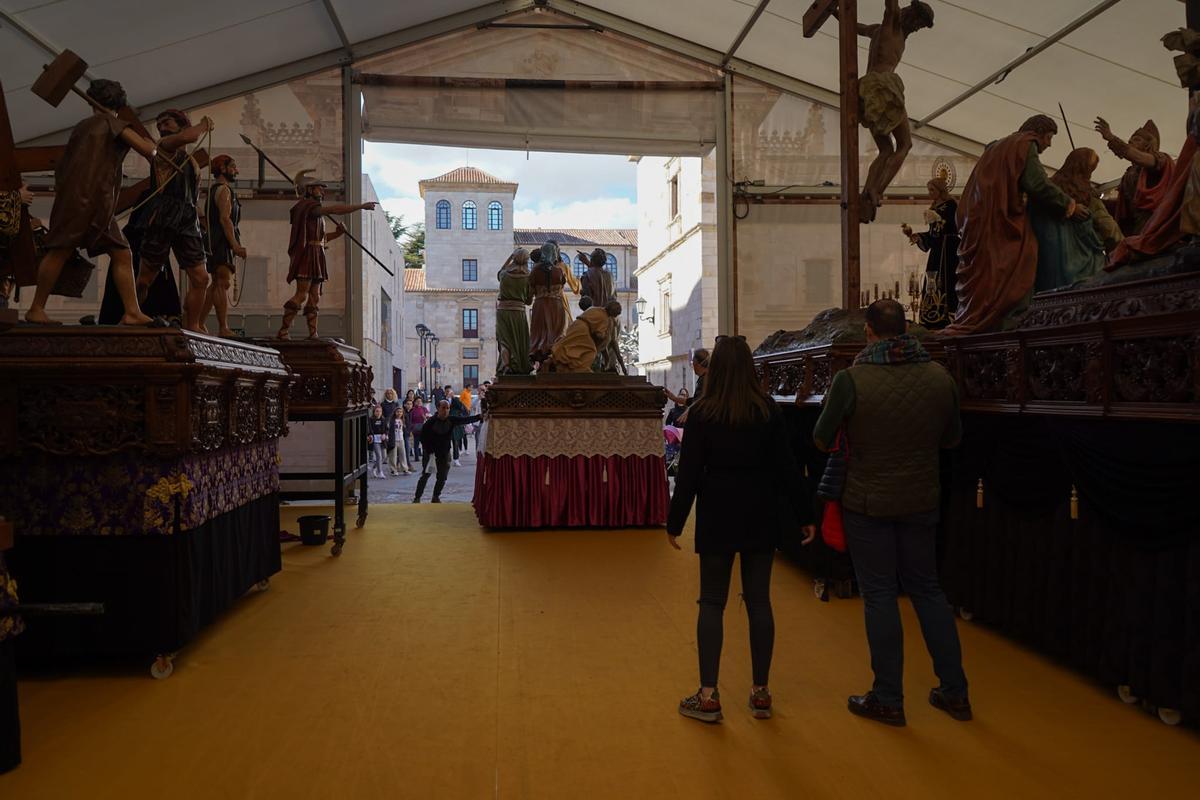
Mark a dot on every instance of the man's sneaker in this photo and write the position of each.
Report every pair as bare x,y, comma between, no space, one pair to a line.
457,463
956,708
868,705
698,708
416,499
760,703
436,500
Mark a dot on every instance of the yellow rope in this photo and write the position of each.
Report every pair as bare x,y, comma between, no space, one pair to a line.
207,139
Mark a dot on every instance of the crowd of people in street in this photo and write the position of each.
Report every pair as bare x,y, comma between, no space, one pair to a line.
424,433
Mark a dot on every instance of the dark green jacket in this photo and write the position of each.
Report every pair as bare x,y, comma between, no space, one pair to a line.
897,417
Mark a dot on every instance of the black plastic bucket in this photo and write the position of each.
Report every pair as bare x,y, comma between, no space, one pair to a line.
314,529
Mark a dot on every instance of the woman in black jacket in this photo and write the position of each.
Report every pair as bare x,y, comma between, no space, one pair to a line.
748,492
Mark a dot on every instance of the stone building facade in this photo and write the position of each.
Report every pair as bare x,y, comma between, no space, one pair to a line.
468,236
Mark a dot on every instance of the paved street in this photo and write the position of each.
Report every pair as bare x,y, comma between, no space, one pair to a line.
460,485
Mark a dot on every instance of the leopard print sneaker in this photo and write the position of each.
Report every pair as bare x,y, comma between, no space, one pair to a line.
698,708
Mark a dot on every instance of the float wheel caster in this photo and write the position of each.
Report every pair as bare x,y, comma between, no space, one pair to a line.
821,590
336,550
263,585
362,520
1170,716
1126,694
162,667
966,615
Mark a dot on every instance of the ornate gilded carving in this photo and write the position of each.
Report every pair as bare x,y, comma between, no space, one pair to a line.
245,424
81,419
274,414
1156,370
208,416
1093,372
161,420
82,347
985,375
787,379
1056,372
822,373
208,350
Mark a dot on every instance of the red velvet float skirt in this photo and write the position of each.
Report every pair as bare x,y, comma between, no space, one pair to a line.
570,491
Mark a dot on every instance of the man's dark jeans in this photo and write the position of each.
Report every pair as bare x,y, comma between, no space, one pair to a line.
887,548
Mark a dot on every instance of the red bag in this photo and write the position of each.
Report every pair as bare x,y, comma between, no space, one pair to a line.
832,530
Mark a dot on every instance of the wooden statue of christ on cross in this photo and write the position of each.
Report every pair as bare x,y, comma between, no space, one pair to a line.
880,94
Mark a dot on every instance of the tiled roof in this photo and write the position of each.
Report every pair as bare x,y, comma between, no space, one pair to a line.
605,237
468,175
414,280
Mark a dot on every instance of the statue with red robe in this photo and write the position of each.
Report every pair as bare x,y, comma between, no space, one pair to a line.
998,251
1145,181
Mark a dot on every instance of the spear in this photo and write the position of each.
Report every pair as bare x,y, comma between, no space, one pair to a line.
1066,125
347,233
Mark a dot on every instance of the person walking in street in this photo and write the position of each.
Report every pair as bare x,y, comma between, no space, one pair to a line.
700,367
416,421
457,409
391,402
897,409
398,455
377,433
435,439
749,493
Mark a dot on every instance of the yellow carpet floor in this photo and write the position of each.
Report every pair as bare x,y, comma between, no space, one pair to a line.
434,660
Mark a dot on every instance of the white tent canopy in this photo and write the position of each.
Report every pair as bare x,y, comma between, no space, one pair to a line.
186,54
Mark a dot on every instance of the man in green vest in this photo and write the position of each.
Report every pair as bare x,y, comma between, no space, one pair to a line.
898,409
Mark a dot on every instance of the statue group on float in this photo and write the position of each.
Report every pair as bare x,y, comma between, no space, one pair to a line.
547,340
166,219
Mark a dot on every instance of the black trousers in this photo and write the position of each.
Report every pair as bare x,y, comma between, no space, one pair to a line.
443,469
715,573
10,721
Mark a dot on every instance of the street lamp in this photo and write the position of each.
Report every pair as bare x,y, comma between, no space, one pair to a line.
436,365
425,334
640,304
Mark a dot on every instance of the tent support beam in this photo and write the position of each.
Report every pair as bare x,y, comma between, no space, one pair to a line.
727,322
1018,61
35,38
621,25
313,64
331,12
741,37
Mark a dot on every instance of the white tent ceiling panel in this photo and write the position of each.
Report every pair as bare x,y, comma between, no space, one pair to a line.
710,23
366,19
173,48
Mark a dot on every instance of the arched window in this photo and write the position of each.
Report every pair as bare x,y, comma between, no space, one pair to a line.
495,216
610,264
443,214
470,216
579,267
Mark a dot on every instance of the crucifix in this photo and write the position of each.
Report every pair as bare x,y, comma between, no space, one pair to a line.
877,102
814,18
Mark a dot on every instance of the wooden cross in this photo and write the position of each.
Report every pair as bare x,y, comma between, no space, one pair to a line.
814,18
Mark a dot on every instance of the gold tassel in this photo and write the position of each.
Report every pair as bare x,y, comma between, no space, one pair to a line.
979,494
1074,503
604,477
547,476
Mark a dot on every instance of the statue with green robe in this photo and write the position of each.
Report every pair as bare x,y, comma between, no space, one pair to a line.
512,324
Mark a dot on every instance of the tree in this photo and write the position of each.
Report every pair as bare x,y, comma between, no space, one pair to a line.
628,343
410,237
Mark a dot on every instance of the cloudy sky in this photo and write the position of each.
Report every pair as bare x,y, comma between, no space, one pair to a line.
557,190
